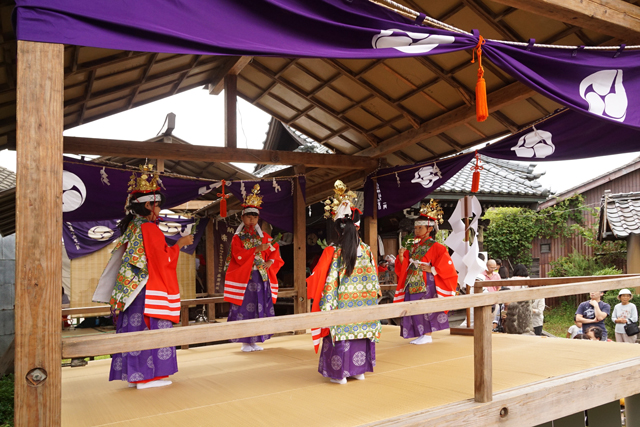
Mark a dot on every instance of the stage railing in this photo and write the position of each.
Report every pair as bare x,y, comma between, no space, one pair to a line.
117,343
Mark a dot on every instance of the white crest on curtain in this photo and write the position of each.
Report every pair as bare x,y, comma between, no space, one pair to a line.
536,144
409,42
100,233
74,192
605,93
427,175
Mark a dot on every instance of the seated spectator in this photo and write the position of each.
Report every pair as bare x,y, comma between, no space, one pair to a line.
574,330
581,337
503,272
595,334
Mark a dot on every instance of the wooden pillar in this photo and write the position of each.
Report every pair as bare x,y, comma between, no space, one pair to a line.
482,369
371,230
210,255
39,121
300,246
230,102
633,255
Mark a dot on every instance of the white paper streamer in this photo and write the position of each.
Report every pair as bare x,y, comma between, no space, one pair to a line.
465,256
104,177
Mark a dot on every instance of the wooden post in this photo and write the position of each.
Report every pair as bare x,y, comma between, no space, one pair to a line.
371,230
633,255
230,102
300,246
210,254
482,369
39,121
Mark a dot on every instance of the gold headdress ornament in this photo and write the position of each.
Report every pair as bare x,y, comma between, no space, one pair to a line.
340,202
146,183
432,211
253,200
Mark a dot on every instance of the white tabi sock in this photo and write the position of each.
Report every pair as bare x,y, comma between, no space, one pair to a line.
255,347
342,381
151,384
358,377
246,347
423,339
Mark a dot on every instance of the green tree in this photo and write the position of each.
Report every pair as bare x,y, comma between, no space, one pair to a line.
510,234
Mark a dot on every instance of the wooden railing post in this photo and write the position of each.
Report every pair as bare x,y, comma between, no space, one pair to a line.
371,230
39,196
300,246
482,369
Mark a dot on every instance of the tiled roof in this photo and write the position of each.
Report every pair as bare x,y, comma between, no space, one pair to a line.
622,215
497,177
7,179
307,145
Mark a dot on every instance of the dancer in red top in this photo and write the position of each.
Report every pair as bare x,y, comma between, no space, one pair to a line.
251,285
425,270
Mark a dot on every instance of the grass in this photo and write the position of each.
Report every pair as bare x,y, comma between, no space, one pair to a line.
6,401
557,320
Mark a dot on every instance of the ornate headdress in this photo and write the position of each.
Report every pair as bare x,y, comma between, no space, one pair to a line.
146,183
430,214
253,201
339,205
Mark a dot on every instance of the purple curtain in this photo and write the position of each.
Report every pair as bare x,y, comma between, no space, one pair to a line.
277,199
567,136
295,28
85,237
95,193
600,83
400,187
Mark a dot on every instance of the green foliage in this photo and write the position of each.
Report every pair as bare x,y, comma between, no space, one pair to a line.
577,264
510,234
322,243
557,320
407,241
6,401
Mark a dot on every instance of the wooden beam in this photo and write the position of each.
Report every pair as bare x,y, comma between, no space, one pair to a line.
300,304
498,99
192,205
133,341
39,115
482,365
200,153
232,67
230,105
534,404
615,18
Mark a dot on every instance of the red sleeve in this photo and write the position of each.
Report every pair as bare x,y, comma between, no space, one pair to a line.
162,261
315,282
274,256
239,255
401,271
446,277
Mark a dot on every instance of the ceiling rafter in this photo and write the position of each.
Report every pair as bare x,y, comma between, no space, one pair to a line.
359,79
183,77
143,80
485,13
448,78
318,104
92,78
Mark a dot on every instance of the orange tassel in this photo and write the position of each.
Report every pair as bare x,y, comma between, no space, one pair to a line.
482,109
223,201
475,183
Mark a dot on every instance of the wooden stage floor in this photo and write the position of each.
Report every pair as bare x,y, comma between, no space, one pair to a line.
219,385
